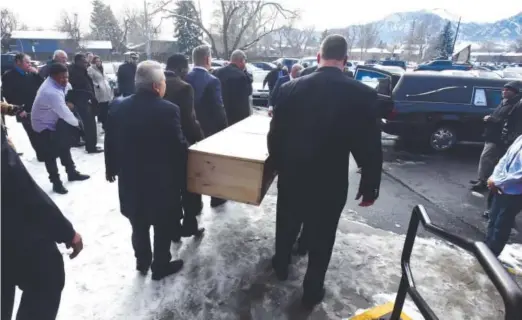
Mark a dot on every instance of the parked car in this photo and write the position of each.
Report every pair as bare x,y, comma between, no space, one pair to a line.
7,62
267,66
395,63
438,110
439,65
308,61
513,75
111,70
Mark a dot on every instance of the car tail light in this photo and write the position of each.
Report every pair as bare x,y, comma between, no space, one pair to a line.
393,114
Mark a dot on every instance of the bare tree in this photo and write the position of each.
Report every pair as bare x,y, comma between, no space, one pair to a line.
8,23
368,36
517,45
298,40
350,34
138,27
70,24
236,19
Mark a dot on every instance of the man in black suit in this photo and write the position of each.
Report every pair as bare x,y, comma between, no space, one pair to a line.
83,98
181,94
19,87
208,100
318,121
146,149
272,76
294,73
236,85
31,226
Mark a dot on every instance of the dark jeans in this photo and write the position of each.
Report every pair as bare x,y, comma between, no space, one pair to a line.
41,278
87,114
52,150
504,209
141,242
103,112
32,135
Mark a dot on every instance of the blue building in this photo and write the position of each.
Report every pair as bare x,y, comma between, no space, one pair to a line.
40,45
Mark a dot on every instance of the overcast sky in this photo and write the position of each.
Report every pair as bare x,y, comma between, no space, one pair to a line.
321,13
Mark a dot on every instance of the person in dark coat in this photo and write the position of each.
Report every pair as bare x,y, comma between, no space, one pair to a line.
272,76
31,226
208,100
236,85
318,121
494,147
125,75
309,70
145,148
83,97
294,73
19,87
181,94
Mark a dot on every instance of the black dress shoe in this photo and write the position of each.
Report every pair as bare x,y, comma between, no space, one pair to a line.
171,268
76,176
216,202
474,181
95,150
143,268
79,144
309,301
280,271
59,188
197,233
480,186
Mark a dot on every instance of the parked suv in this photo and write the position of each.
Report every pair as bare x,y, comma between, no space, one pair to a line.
435,109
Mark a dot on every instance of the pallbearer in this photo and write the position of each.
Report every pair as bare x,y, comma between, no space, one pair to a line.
318,121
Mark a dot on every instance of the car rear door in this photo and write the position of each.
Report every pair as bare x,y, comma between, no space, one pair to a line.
382,81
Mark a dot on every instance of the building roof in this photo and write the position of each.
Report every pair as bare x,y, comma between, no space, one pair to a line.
44,34
96,44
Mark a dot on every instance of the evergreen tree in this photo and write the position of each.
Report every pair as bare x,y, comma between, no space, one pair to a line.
187,33
444,45
105,26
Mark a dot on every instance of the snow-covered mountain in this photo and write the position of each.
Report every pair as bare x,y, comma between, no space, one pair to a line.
393,28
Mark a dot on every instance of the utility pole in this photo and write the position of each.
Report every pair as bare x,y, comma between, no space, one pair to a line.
147,30
456,36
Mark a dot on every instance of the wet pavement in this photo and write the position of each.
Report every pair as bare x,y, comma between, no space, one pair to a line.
227,273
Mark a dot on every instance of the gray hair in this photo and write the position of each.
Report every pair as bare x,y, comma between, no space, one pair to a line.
59,53
238,55
297,67
148,73
200,54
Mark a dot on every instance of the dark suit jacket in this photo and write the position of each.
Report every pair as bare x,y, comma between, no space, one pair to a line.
308,70
20,89
82,87
146,149
275,91
125,75
319,120
271,78
208,101
29,217
181,94
236,87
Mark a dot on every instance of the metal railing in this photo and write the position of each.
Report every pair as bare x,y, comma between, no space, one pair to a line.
506,286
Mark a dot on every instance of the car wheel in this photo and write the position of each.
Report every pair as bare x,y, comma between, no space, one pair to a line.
443,138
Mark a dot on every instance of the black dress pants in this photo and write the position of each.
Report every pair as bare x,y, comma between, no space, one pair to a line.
162,238
192,206
40,274
103,112
32,135
87,114
51,149
319,220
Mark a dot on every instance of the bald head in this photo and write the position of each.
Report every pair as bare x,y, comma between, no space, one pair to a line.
334,50
296,70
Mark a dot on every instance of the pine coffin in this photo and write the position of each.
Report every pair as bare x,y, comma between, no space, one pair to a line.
232,164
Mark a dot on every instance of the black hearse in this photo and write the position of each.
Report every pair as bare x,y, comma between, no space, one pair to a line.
439,110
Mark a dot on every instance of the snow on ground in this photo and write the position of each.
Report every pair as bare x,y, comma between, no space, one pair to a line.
227,274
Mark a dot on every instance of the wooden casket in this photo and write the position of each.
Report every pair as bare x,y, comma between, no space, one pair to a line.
232,164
